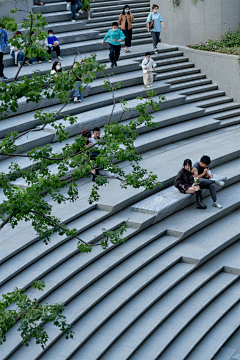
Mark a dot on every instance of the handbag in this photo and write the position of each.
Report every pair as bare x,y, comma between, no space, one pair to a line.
68,6
151,24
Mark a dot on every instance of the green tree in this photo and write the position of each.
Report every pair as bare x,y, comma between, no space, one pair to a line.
72,163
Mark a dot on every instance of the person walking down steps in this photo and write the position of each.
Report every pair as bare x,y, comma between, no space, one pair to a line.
125,20
86,6
155,24
115,36
148,66
75,11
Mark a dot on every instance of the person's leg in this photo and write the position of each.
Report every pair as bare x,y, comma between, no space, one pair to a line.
117,52
58,51
209,184
1,64
49,51
126,39
20,56
76,89
111,53
88,14
157,38
145,79
129,37
73,10
150,78
79,5
154,39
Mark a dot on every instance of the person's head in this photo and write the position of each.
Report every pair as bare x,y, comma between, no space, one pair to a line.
114,26
126,10
187,164
147,55
205,161
155,8
87,134
17,33
96,133
50,33
75,64
56,66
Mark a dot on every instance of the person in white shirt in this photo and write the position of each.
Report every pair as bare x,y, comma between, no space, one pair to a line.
93,140
148,66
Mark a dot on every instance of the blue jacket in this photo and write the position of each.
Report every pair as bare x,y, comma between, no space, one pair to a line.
114,35
50,40
3,40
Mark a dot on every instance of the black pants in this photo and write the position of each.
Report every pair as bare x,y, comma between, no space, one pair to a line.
55,48
210,185
1,64
114,53
156,38
128,40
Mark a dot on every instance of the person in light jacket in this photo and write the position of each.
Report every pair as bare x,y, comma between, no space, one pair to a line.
154,22
115,37
125,20
148,66
3,44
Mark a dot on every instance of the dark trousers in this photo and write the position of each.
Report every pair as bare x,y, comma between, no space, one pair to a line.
210,185
1,64
55,48
156,38
76,10
128,40
114,53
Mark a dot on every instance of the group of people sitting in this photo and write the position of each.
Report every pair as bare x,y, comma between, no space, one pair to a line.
50,44
191,179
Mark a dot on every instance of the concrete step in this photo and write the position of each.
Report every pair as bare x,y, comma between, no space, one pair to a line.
177,73
137,287
112,9
205,95
134,330
215,290
189,84
202,324
230,121
226,105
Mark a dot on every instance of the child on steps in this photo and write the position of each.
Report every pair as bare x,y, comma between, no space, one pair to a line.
148,66
116,36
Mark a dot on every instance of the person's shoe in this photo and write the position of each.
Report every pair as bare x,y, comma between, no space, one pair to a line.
148,86
34,63
79,100
75,99
49,60
112,65
115,64
77,14
27,64
200,204
217,205
73,20
155,51
59,58
3,77
220,183
39,62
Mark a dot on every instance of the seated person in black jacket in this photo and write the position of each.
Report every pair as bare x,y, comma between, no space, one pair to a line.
184,183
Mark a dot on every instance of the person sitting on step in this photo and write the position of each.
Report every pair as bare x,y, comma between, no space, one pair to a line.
148,66
17,52
116,36
93,140
201,171
53,45
184,182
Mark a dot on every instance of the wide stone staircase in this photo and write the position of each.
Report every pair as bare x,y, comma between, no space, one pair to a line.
173,290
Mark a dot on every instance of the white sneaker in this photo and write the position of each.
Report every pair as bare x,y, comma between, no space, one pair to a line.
156,51
220,183
77,14
49,61
59,57
39,62
73,20
217,205
148,87
75,99
79,100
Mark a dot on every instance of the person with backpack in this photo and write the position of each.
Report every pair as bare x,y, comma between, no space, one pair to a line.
75,11
154,25
125,20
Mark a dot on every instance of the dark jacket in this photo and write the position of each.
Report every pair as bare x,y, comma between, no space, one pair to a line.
184,178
